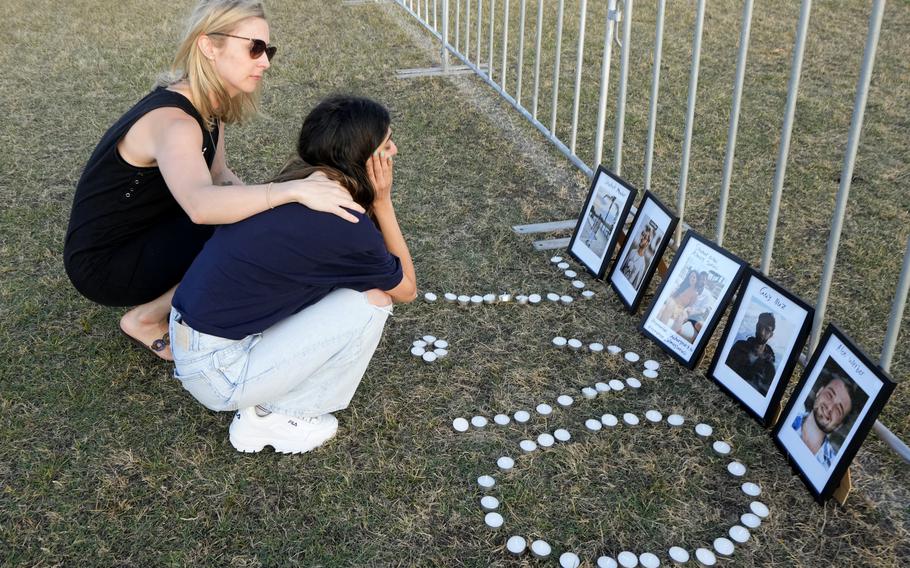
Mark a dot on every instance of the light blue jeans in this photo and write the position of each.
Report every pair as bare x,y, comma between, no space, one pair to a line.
306,365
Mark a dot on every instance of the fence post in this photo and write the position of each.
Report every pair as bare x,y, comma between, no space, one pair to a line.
604,83
734,120
579,63
894,326
445,36
690,118
505,44
457,33
846,175
655,83
492,25
479,29
537,58
623,82
467,29
559,16
792,90
521,50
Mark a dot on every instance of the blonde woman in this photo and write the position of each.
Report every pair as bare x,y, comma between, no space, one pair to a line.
157,183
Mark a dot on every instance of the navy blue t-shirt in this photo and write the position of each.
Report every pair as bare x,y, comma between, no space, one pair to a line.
254,273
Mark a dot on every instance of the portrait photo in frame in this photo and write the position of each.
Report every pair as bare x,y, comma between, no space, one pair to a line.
601,220
831,411
649,234
691,299
760,346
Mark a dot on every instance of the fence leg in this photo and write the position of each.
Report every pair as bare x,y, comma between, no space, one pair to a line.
734,120
690,118
623,82
792,90
655,84
846,175
612,17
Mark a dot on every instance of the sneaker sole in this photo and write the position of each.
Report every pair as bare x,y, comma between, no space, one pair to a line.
253,445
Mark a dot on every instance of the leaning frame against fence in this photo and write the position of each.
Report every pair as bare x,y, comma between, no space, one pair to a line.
434,15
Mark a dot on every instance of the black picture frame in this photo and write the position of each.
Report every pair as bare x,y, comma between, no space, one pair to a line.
836,356
758,383
685,311
628,280
595,258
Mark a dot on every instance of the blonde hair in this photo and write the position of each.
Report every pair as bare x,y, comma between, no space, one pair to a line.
190,65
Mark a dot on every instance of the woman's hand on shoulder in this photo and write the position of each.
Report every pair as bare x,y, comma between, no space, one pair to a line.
380,172
320,193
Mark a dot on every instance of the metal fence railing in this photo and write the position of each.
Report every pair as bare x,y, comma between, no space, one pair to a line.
480,18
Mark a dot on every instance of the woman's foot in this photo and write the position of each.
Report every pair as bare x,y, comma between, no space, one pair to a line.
250,432
151,335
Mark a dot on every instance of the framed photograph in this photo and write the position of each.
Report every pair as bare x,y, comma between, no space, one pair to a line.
831,411
601,220
650,233
691,299
760,346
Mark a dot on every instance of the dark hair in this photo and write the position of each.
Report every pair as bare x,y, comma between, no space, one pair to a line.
767,317
684,285
337,138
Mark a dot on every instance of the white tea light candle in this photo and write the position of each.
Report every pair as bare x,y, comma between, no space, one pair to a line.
493,520
721,448
569,560
739,534
627,559
486,482
489,503
516,545
540,549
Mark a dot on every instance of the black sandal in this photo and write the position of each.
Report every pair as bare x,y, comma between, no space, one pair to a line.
156,346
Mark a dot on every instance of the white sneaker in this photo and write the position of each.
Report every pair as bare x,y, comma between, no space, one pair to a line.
250,432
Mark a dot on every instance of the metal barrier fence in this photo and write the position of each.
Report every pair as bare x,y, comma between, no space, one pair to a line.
468,39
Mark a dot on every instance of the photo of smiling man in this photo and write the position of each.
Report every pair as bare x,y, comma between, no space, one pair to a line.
829,412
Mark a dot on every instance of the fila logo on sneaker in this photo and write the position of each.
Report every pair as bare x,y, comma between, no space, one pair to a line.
292,423
237,416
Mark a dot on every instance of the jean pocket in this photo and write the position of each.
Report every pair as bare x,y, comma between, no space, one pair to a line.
232,362
210,389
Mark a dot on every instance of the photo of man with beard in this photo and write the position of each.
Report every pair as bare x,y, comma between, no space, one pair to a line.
830,411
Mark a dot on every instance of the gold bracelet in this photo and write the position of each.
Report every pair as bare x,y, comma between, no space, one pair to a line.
268,195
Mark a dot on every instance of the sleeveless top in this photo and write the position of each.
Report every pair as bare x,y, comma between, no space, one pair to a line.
116,202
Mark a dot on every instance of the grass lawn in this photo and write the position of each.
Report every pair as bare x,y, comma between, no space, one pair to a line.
105,460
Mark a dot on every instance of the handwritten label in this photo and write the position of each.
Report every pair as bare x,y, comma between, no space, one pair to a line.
772,298
855,364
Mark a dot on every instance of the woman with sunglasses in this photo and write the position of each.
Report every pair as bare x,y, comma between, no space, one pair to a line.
279,315
158,183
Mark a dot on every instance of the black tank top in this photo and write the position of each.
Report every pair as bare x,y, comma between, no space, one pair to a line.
116,202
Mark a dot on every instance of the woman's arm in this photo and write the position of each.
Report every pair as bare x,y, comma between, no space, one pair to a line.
175,140
221,173
379,169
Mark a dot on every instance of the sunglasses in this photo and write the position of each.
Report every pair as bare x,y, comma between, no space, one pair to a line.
257,47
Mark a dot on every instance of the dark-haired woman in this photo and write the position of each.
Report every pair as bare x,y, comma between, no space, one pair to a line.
279,315
158,181
680,299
